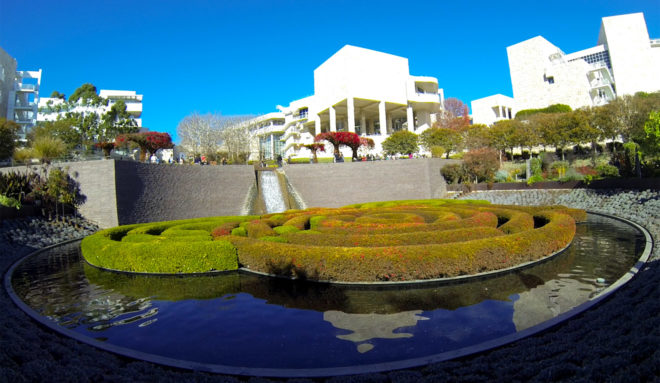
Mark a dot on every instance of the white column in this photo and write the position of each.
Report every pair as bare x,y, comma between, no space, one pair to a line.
411,118
317,124
390,124
363,123
350,110
272,146
333,120
382,118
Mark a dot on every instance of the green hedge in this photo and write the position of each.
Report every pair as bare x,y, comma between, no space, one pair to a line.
163,247
406,262
392,240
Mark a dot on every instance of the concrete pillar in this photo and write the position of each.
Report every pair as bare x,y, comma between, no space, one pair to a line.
272,146
350,110
411,118
382,117
317,124
390,124
333,120
363,123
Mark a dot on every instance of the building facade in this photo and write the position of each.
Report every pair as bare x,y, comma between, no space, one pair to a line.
50,109
624,61
19,94
356,90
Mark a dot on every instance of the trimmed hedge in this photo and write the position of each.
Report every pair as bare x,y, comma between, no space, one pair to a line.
163,247
380,241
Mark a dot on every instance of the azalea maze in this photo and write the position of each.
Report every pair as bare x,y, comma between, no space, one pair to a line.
370,242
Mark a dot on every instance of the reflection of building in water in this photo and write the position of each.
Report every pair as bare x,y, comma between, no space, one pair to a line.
549,300
371,326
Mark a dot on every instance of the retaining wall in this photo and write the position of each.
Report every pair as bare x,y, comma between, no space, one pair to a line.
340,184
149,192
124,192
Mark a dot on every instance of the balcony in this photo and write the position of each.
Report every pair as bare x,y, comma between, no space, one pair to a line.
134,108
25,87
25,106
425,97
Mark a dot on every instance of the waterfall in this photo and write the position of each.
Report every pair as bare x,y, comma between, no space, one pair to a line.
271,192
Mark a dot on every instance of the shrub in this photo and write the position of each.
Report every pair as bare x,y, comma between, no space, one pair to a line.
501,176
481,163
606,170
534,179
453,173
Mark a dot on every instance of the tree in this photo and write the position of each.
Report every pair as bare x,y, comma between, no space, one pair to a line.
350,139
8,130
338,139
149,142
652,130
204,134
455,115
481,163
116,121
57,94
501,137
87,93
403,141
476,136
314,148
237,138
447,139
64,129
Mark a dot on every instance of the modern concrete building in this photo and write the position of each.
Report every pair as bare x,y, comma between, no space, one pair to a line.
356,90
491,109
624,61
19,94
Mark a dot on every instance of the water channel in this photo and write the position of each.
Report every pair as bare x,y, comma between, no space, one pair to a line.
252,322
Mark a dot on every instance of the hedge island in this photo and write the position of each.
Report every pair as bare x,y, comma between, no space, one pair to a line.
379,241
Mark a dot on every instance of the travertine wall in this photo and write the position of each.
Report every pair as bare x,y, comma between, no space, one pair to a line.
340,184
125,192
149,192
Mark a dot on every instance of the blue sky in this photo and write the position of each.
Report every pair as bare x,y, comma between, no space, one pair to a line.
246,57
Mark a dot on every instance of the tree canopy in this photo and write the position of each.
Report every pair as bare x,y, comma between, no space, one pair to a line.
403,141
8,130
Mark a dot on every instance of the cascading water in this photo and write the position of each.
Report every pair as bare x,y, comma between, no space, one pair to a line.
271,192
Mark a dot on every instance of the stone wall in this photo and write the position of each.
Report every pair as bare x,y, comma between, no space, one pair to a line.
150,192
97,183
340,184
125,192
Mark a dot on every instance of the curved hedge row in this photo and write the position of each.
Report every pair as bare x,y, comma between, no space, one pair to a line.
384,241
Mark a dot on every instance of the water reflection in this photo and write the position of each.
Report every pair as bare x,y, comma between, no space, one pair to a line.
366,327
242,319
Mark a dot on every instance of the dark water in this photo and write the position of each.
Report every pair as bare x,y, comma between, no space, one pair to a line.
240,319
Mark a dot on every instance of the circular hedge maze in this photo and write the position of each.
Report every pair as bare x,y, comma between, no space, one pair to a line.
370,242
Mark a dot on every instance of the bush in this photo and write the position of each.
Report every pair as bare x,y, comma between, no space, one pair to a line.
482,163
437,151
502,176
534,179
607,171
453,173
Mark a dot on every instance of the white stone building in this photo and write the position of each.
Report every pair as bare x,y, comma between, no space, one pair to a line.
624,61
19,94
356,90
52,108
491,109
